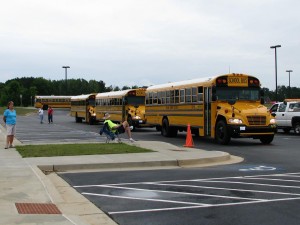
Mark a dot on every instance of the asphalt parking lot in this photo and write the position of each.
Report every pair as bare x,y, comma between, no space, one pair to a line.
150,202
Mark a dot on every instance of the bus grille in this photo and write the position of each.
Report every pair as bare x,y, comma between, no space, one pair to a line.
256,120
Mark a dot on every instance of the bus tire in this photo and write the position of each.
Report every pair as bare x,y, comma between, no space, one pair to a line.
91,120
165,129
286,130
78,119
222,134
297,128
267,139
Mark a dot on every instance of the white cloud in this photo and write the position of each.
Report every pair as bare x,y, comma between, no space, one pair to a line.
127,42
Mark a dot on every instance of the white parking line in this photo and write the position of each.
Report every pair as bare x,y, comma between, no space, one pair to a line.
228,189
195,207
204,179
181,193
246,183
259,178
145,199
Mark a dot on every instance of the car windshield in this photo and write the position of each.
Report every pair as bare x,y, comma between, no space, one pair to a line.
245,93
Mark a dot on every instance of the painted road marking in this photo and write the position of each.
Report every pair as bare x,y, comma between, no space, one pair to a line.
259,168
229,189
210,206
178,192
144,199
275,195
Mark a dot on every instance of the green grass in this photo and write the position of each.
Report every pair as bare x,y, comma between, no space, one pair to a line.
21,111
77,149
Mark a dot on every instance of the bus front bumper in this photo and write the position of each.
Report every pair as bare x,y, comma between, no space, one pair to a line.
246,131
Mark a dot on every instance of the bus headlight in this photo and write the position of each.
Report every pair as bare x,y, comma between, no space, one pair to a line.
272,120
236,121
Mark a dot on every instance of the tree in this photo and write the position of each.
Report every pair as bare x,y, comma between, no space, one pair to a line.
13,92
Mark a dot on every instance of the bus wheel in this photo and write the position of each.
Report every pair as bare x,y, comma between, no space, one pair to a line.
91,121
165,129
297,128
168,131
286,130
222,133
78,119
267,139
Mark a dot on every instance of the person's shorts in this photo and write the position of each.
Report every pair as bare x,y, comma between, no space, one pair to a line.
121,129
10,129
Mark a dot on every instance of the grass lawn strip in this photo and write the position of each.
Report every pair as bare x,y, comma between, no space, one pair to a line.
77,149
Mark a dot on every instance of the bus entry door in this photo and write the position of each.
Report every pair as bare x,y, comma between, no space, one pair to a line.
207,111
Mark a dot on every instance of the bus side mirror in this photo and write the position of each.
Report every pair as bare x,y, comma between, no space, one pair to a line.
214,94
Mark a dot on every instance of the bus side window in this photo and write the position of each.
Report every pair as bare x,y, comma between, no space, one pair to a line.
163,97
188,95
200,94
182,96
168,97
194,94
154,101
172,96
176,96
159,97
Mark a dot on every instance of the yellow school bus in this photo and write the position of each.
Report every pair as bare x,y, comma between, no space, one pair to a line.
126,105
55,101
221,107
83,108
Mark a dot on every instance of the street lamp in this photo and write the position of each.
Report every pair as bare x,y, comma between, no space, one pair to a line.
275,47
289,71
66,75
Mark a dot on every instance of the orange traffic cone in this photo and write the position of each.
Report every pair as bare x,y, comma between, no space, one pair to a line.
189,139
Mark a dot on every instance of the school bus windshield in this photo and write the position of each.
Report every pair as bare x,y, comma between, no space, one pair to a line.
240,93
92,102
136,100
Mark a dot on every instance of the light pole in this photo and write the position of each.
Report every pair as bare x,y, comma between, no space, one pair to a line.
66,75
289,71
275,47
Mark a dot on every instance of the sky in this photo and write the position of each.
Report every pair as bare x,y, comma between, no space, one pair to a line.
147,42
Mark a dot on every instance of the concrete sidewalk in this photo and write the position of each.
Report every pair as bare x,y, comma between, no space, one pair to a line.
22,180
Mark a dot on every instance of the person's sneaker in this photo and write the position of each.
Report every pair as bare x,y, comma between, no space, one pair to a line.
101,131
6,147
11,146
130,139
131,127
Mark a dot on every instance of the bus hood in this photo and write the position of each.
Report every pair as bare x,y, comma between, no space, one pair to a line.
245,108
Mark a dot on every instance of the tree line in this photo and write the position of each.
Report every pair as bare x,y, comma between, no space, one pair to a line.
22,90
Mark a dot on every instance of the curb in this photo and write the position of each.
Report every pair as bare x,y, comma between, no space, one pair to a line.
122,165
223,159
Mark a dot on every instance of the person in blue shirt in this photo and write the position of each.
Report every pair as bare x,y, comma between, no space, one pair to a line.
10,120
